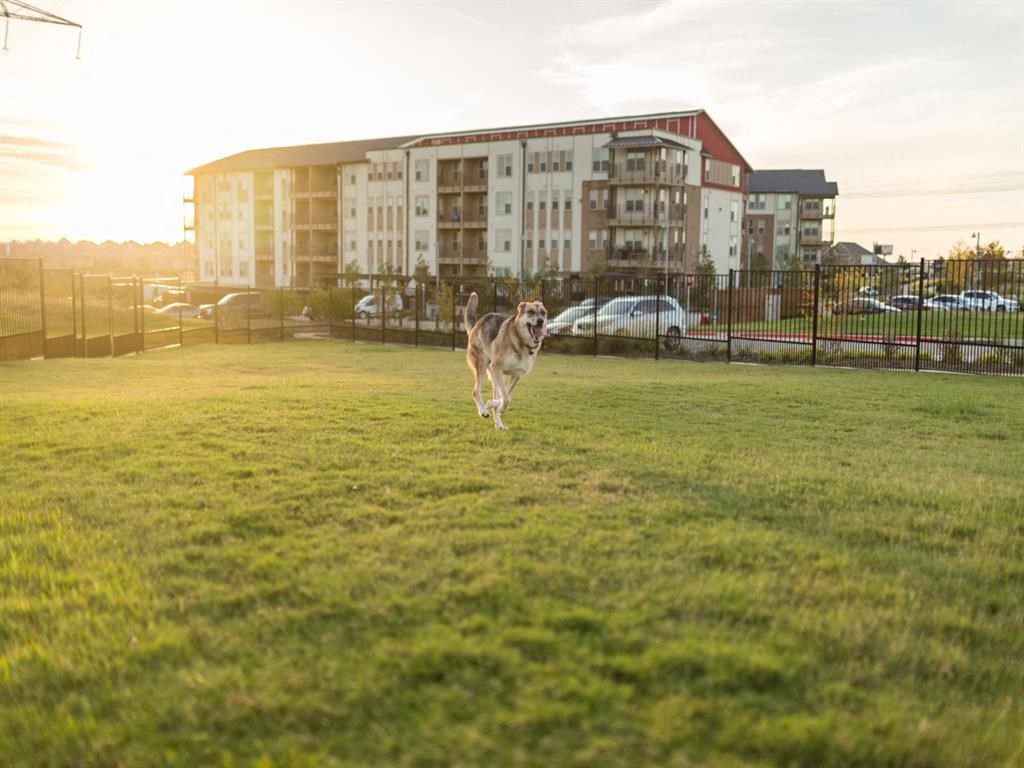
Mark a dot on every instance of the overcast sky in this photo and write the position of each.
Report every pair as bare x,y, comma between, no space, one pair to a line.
892,100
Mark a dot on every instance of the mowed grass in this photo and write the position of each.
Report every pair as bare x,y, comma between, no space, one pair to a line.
316,554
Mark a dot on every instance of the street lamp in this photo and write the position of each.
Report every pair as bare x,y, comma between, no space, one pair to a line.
977,244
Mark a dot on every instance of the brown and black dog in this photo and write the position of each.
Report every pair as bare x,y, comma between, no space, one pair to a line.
502,345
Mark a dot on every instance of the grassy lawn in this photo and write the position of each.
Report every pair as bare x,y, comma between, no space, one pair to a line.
316,554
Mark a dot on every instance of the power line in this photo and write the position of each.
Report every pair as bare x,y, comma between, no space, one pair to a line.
936,227
25,12
929,193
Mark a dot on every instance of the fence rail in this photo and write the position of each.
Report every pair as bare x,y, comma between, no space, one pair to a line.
940,316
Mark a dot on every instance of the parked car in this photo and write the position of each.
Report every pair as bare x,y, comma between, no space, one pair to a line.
989,301
179,308
905,303
561,324
636,317
862,307
948,302
369,306
235,305
868,290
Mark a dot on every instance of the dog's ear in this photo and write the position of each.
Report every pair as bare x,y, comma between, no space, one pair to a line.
521,308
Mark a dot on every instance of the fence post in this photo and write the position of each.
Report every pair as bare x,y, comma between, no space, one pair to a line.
920,313
454,315
181,331
728,321
248,316
280,317
74,316
597,291
110,311
383,312
814,316
85,336
657,317
352,290
42,304
142,314
416,333
216,323
135,310
330,312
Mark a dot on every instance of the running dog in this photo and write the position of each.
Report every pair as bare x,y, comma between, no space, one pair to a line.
502,345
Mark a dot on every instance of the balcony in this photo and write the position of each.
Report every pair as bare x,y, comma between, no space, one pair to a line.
323,224
316,252
323,192
637,215
637,255
652,172
450,220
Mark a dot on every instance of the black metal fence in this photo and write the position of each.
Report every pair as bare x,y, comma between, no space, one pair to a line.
943,316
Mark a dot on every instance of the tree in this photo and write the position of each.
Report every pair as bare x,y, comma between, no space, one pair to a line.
350,274
421,272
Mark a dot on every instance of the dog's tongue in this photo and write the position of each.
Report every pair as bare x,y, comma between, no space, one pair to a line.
538,333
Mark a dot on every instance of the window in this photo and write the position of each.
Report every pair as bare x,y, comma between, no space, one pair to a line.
734,175
422,205
732,246
593,199
503,240
208,269
502,203
568,160
592,239
502,271
351,178
568,201
422,170
543,162
758,202
225,268
635,160
351,245
504,165
554,200
543,203
785,202
634,199
243,269
567,245
734,211
556,162
707,170
600,160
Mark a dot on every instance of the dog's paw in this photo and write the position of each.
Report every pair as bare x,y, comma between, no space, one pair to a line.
485,415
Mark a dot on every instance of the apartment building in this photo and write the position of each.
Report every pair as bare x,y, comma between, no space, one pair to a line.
625,194
789,213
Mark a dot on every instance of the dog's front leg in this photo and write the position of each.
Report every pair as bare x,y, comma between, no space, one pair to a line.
500,396
513,379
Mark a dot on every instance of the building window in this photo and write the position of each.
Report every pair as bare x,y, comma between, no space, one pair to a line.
422,170
600,160
504,166
543,162
568,160
734,175
734,211
568,201
707,170
543,203
785,202
502,203
554,200
503,240
732,246
529,202
422,205
592,239
243,269
757,202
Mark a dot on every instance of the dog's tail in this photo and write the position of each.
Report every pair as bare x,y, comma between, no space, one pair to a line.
469,315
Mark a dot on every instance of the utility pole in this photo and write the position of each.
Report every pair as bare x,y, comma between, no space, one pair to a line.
977,244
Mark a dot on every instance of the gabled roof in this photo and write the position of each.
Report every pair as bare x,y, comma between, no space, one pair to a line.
852,249
795,180
304,154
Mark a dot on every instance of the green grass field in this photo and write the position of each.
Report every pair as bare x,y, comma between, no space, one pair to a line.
316,554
